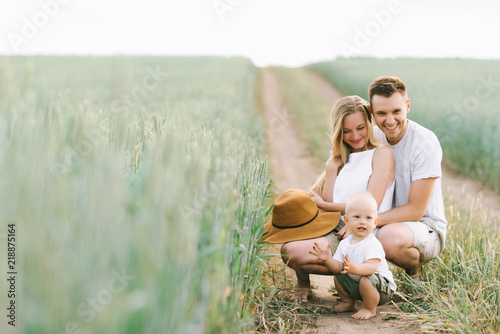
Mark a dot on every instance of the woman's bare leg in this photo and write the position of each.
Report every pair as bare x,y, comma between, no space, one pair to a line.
296,255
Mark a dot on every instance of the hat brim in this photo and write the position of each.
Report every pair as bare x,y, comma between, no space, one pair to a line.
324,223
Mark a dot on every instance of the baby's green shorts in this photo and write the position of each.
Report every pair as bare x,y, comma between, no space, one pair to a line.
379,282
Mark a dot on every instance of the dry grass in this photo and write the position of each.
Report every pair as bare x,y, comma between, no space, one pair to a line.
275,312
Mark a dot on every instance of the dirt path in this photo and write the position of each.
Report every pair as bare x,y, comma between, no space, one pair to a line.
293,167
461,190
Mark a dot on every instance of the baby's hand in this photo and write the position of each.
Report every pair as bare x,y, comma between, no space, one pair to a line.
348,265
321,253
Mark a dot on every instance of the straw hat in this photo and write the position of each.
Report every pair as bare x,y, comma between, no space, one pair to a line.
296,217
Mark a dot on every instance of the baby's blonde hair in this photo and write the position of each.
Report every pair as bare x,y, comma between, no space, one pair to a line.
366,196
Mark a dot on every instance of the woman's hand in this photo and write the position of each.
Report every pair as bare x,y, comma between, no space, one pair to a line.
318,199
333,164
343,233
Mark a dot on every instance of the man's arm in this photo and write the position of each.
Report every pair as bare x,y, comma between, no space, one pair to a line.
420,193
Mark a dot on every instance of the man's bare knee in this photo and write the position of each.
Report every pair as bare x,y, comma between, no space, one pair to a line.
394,241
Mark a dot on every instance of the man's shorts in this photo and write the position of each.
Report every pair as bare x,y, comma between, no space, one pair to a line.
379,282
427,241
332,238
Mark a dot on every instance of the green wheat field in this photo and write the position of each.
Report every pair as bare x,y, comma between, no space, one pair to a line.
138,188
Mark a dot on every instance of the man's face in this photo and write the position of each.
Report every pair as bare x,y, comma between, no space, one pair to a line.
390,115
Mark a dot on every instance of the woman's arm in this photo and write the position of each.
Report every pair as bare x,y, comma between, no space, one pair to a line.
331,171
325,201
327,206
383,172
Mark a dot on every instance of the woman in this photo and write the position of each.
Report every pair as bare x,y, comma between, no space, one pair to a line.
358,163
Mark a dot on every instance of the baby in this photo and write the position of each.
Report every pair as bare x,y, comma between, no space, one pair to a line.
359,265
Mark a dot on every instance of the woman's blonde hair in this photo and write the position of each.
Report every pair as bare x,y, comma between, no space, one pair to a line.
344,107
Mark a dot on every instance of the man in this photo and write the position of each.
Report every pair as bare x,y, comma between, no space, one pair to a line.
414,231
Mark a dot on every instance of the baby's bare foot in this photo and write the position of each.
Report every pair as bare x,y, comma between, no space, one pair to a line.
364,314
345,307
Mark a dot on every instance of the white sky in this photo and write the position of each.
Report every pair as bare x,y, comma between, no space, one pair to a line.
284,32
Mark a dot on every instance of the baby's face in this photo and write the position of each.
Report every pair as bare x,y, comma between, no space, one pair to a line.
362,218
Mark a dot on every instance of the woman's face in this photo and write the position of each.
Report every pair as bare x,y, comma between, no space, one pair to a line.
355,131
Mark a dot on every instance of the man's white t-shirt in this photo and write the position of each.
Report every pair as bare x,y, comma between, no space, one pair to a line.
418,156
368,248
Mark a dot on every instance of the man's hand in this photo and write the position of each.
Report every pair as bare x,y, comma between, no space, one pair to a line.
321,253
343,233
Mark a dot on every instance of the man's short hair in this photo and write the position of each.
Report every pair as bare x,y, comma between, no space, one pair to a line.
386,86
